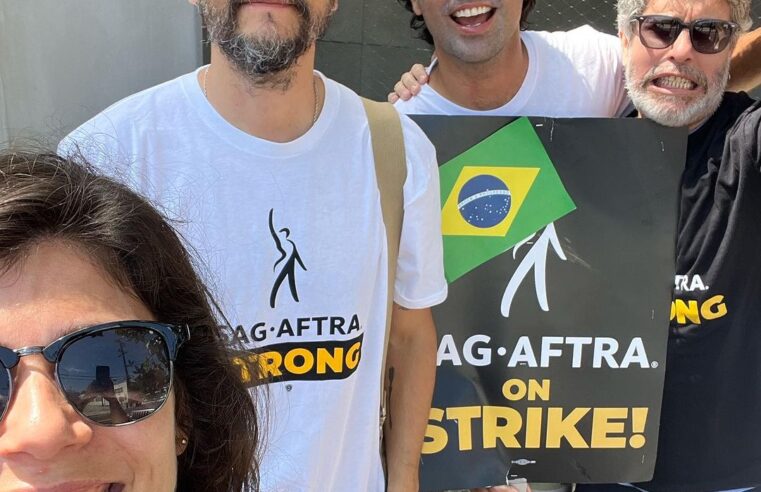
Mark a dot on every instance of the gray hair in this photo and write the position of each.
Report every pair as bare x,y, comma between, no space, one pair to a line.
632,8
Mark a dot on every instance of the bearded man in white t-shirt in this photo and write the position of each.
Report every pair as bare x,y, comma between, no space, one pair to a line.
269,165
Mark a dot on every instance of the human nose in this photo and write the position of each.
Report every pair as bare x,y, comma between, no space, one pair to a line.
39,423
682,49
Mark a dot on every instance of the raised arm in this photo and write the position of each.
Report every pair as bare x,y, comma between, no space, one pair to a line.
746,62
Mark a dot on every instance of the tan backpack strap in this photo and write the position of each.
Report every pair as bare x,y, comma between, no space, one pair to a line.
391,173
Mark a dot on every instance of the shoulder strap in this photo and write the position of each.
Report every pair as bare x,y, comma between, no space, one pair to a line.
390,172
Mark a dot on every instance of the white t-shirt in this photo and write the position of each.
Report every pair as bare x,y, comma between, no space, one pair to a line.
299,224
570,74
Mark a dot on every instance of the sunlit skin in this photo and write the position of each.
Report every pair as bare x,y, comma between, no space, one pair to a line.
648,68
45,445
745,73
482,61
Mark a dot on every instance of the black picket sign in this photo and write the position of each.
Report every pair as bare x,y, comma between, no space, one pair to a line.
559,248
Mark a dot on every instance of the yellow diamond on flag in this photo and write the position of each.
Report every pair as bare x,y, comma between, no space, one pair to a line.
485,200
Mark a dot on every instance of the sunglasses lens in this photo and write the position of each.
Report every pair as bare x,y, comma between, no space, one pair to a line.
5,389
116,376
659,32
711,36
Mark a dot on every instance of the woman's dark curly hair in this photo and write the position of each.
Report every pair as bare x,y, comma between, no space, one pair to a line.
47,197
418,23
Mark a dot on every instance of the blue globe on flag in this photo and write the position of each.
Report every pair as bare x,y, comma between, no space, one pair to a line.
484,201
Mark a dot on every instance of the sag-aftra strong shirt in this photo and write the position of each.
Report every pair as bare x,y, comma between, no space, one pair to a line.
710,434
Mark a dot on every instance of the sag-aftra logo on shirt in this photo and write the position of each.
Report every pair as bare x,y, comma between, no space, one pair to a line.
286,264
691,304
337,353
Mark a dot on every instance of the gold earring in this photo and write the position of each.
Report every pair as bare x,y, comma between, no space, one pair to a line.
182,445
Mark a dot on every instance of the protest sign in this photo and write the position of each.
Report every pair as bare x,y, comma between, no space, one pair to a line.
559,251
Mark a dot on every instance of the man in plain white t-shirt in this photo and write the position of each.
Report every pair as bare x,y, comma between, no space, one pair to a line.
269,165
487,64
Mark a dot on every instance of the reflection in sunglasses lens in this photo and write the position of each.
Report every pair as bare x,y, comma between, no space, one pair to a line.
660,33
5,389
708,36
116,376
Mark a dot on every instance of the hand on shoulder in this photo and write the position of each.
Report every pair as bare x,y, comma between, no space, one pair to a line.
409,84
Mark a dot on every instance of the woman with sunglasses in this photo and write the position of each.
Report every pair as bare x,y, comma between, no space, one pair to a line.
113,373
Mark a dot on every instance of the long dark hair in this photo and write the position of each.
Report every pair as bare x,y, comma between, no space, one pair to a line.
418,23
47,197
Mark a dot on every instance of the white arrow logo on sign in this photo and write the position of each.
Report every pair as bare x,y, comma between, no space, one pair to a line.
536,258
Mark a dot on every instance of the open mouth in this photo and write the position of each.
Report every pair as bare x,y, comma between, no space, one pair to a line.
473,16
674,82
115,487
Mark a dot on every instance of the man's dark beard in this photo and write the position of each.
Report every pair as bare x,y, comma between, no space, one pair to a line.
263,60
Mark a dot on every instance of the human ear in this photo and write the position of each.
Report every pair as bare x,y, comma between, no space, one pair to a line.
624,41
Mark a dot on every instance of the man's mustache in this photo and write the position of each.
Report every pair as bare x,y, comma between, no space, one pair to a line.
300,5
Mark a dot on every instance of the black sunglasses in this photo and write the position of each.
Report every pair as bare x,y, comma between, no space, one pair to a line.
708,36
112,374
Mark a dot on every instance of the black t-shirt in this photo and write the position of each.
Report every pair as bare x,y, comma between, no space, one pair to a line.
710,434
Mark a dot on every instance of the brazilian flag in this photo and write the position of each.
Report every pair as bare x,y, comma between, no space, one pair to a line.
496,194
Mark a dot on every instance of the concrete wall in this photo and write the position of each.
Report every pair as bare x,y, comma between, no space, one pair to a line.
62,61
368,45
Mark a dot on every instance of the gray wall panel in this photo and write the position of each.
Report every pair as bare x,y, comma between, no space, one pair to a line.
59,65
379,31
63,61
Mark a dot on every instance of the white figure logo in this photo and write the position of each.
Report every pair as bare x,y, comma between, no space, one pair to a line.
536,258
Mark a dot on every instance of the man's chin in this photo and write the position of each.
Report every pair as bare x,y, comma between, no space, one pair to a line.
473,51
678,113
673,110
263,29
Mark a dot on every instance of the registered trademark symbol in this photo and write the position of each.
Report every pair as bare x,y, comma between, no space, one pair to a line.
654,364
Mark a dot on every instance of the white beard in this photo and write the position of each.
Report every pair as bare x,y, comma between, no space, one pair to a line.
675,111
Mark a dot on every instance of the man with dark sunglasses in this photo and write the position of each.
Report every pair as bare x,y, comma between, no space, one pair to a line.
676,56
